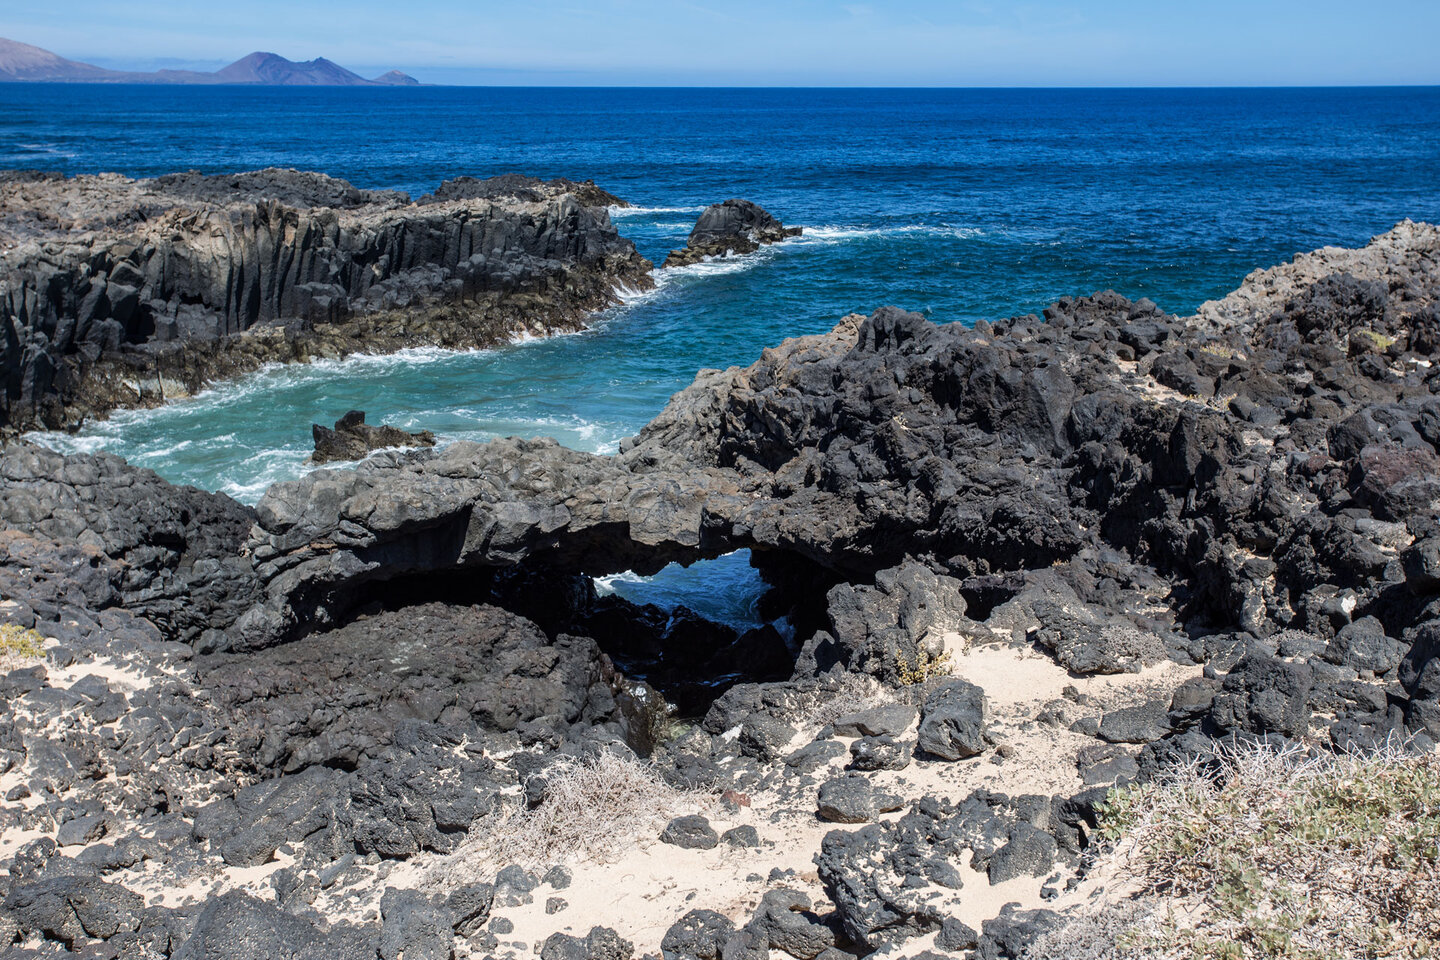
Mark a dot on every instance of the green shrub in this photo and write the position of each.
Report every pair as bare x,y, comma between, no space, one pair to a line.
19,646
924,667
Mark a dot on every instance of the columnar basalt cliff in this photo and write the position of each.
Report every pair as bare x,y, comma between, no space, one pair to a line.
118,292
1018,564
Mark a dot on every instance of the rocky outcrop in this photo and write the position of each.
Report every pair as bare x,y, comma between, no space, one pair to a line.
516,186
1178,491
376,658
353,439
732,227
173,555
117,292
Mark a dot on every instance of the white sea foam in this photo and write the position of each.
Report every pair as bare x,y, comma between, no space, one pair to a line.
835,234
408,357
573,431
814,236
263,469
606,585
726,589
720,266
170,450
629,296
44,149
68,443
650,211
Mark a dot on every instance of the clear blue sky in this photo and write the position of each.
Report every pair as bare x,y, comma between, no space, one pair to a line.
770,42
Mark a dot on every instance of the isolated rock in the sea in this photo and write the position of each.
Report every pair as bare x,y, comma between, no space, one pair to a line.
732,227
118,292
353,439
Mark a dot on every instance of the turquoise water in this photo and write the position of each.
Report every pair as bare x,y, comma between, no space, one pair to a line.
959,203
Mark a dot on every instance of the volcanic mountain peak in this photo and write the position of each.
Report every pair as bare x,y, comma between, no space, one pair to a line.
21,62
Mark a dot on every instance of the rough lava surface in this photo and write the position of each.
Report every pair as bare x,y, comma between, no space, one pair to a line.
1016,564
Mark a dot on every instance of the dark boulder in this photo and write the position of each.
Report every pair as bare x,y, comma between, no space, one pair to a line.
413,927
1141,723
953,721
699,935
72,909
354,439
1028,852
854,799
690,833
601,943
237,926
786,921
1264,695
880,753
887,720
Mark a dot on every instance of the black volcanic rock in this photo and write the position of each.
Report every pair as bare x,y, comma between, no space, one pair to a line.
335,699
353,439
382,658
516,186
301,189
732,227
138,291
176,550
1027,447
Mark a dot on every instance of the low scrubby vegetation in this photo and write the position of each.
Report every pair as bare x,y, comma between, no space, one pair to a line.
926,666
19,647
592,809
1271,852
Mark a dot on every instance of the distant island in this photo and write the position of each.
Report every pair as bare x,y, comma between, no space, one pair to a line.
23,63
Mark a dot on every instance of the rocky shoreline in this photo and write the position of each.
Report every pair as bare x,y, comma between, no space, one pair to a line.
123,293
385,712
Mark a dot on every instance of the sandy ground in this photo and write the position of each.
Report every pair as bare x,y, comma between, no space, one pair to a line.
651,884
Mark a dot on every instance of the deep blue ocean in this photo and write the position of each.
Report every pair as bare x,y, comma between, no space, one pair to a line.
959,203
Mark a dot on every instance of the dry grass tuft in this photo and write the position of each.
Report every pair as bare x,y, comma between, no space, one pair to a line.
594,809
19,647
1280,853
1096,935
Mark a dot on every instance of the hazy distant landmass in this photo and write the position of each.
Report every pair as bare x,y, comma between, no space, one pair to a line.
23,63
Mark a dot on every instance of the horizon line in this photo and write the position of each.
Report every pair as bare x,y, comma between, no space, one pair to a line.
1358,85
